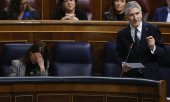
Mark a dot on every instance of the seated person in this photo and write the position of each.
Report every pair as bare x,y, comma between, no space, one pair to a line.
69,11
34,63
19,10
116,12
163,14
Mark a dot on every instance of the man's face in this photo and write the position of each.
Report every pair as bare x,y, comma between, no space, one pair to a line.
69,5
134,16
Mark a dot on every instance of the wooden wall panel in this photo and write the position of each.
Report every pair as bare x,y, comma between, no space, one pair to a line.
53,98
5,98
96,9
24,98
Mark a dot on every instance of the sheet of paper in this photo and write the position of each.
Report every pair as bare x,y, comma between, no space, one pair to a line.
135,65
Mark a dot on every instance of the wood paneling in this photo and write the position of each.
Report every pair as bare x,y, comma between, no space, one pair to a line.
45,90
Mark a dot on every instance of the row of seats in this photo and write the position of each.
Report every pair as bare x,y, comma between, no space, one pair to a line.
69,58
75,59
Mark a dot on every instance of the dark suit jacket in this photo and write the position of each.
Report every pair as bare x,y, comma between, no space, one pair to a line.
79,14
161,14
142,54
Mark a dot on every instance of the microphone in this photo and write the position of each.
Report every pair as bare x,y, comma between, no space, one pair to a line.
130,48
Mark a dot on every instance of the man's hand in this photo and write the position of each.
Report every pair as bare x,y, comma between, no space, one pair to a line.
125,68
151,42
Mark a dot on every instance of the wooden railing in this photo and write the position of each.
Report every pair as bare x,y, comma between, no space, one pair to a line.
81,89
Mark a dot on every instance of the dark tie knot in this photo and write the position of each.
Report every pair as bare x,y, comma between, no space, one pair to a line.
136,30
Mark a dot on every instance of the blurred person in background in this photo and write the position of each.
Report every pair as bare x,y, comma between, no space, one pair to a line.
69,11
19,10
163,13
116,12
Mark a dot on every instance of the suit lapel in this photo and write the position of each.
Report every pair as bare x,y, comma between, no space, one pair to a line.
129,39
144,33
128,36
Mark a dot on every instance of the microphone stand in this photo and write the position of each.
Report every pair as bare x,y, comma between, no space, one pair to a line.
126,58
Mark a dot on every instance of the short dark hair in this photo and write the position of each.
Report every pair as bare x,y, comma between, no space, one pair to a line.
61,2
37,47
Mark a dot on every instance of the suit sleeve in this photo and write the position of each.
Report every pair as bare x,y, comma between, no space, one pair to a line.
120,51
14,68
160,48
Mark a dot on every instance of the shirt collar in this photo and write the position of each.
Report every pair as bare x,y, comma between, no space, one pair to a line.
139,27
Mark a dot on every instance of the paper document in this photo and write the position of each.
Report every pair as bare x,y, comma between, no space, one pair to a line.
135,65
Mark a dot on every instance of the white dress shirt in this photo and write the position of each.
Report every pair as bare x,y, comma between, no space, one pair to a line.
139,34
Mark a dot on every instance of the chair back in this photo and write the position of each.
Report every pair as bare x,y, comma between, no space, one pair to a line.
111,68
165,68
12,52
72,59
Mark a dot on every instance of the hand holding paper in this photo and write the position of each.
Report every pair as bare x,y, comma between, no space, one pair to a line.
128,66
125,68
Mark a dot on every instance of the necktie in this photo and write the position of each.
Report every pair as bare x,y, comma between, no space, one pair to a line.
137,40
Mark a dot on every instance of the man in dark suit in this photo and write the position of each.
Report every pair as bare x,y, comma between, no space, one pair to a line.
163,13
141,42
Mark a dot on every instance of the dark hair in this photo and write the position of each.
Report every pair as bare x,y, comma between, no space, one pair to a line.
37,47
14,8
62,1
112,8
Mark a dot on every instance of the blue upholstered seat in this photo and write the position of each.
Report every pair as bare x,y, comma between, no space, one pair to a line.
72,59
165,68
11,52
111,68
